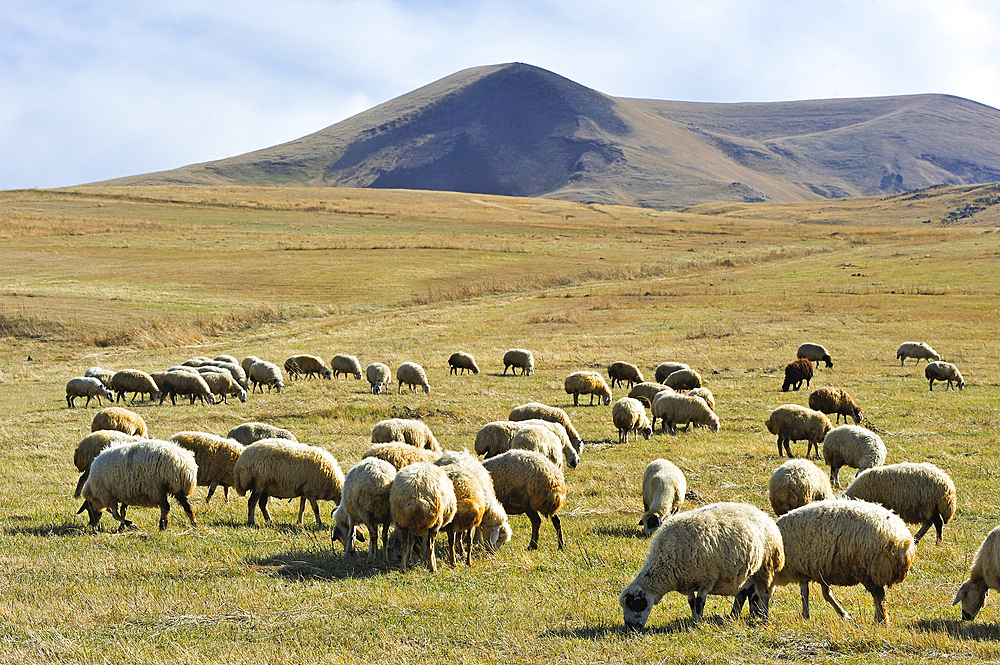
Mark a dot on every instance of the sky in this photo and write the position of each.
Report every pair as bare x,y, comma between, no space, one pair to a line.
94,89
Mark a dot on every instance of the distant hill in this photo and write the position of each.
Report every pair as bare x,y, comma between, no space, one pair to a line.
518,130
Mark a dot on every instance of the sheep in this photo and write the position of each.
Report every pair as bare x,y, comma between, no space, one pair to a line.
104,375
796,483
248,362
791,422
663,490
461,361
90,447
717,549
308,365
422,502
414,432
917,492
223,385
345,364
268,374
365,500
542,439
942,371
587,383
983,576
413,375
133,381
380,376
683,379
497,437
196,361
553,414
918,350
663,370
854,446
139,473
494,524
401,454
705,394
186,383
796,372
646,391
835,400
814,352
621,372
286,469
470,506
675,409
526,483
121,419
227,359
248,433
215,455
89,387
628,415
234,370
522,358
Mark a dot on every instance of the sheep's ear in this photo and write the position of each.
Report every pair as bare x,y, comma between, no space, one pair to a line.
962,590
83,507
494,536
358,535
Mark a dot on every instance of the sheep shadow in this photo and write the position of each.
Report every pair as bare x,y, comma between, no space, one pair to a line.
959,630
308,565
678,625
64,530
621,531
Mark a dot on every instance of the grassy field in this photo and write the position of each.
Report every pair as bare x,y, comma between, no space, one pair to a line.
146,278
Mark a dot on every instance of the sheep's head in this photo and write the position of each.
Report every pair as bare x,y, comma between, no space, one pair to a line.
647,432
972,595
636,606
242,394
650,522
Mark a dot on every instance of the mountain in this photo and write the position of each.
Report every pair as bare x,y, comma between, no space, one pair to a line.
518,130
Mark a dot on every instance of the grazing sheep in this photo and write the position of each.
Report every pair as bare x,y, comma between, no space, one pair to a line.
663,370
683,379
628,415
796,372
401,454
646,391
470,505
854,446
814,352
918,350
223,385
587,383
942,371
234,369
185,383
248,433
519,358
663,490
90,447
553,414
121,419
705,394
527,483
414,432
791,422
365,501
196,361
139,473
835,400
497,437
227,359
918,493
675,409
133,381
104,375
461,361
412,375
380,376
89,387
541,438
983,576
248,362
286,469
267,374
796,483
621,372
345,364
215,455
717,549
308,365
422,502
494,524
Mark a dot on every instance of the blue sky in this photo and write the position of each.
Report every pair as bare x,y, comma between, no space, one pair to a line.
92,90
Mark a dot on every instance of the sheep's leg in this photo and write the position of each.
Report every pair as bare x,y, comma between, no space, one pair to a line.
385,540
740,598
251,505
467,539
181,499
536,525
211,491
576,399
828,597
431,557
315,506
263,506
804,594
373,538
451,545
835,476
878,597
80,483
697,603
938,526
559,534
407,546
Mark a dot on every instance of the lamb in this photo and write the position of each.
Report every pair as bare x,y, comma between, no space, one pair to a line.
918,350
268,374
461,361
663,490
133,381
553,414
814,352
663,370
470,506
717,549
526,483
414,432
791,422
186,383
587,383
215,455
89,387
248,362
345,364
365,500
646,391
628,415
621,372
90,447
422,502
497,437
223,385
248,433
494,523
286,469
942,371
854,446
522,358
675,409
916,492
705,394
413,375
835,400
380,376
796,483
796,372
139,473
308,365
683,379
104,375
983,576
121,419
401,454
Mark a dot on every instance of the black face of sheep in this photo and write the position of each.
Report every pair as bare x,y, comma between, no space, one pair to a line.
637,604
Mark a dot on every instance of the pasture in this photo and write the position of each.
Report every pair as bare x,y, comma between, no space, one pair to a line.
148,277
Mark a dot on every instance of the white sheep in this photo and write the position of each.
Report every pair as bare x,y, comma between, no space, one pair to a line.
917,492
139,473
522,358
663,370
285,470
235,370
380,376
663,490
414,432
223,385
460,361
227,359
621,372
104,375
815,353
187,383
345,364
89,387
542,439
248,362
248,433
365,500
528,483
835,400
121,419
470,506
705,394
401,454
717,549
494,524
791,422
422,502
265,373
683,379
90,447
628,415
853,446
942,371
675,409
983,576
796,483
590,383
216,457
646,391
496,438
918,350
412,375
539,411
133,381
307,365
